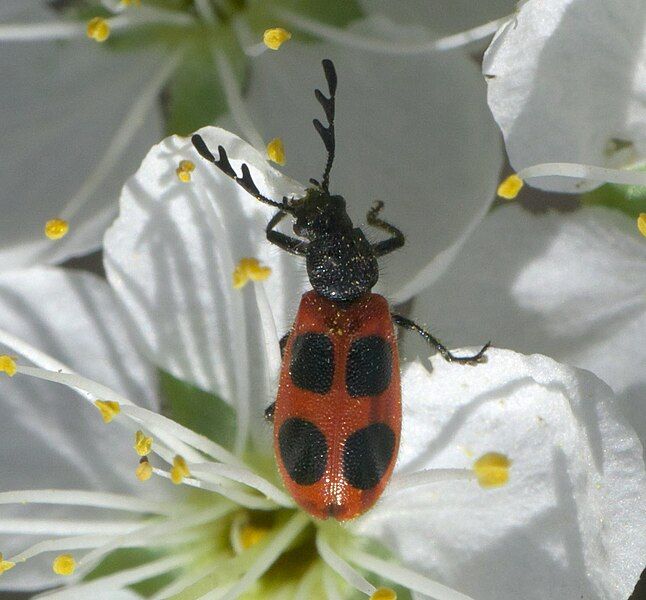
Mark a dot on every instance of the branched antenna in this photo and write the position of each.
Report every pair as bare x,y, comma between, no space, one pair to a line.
327,133
245,182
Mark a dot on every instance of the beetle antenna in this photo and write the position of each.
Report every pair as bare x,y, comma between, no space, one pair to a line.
245,182
327,133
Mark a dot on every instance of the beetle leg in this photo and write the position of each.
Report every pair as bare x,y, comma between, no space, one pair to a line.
289,244
391,244
269,412
441,348
283,343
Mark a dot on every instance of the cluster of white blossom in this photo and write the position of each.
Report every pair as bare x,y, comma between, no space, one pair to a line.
104,495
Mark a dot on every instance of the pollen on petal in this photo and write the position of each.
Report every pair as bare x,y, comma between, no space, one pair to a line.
108,409
7,365
641,224
144,471
98,29
179,470
249,269
492,470
384,594
55,229
276,151
275,37
510,187
143,443
5,565
186,167
64,564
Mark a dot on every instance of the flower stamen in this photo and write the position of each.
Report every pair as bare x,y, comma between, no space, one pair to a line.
5,565
510,187
98,29
64,564
276,151
55,229
143,443
7,365
641,224
492,470
340,566
249,269
275,37
109,409
186,167
179,470
144,471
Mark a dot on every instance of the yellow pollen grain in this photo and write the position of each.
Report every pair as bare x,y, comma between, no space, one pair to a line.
186,167
275,37
492,470
8,365
143,443
510,187
641,224
5,565
64,564
55,229
108,409
144,471
276,151
384,594
249,269
131,2
179,470
98,29
251,535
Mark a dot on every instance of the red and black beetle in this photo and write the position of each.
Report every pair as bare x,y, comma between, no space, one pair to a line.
337,415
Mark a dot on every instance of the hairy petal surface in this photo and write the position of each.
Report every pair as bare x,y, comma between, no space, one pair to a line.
567,81
49,436
570,521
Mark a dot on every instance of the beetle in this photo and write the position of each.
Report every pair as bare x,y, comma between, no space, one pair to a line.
337,415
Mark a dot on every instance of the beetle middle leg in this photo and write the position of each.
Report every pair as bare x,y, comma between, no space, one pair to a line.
391,244
439,346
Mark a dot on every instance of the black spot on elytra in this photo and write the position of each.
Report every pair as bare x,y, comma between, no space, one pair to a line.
303,450
367,454
312,365
369,366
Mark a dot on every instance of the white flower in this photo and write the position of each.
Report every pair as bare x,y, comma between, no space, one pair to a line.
572,286
567,81
560,528
193,60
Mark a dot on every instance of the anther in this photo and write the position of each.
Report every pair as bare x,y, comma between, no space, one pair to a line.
492,470
98,29
510,187
144,471
384,594
179,470
5,565
55,229
251,535
249,269
275,37
641,224
7,365
186,167
131,2
143,443
64,564
108,409
276,151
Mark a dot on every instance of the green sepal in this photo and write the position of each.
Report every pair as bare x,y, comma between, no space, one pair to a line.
200,411
631,199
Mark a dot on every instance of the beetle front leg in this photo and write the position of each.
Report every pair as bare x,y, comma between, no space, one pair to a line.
284,242
439,346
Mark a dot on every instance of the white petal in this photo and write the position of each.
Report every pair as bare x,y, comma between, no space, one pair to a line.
411,131
567,82
170,257
63,103
569,286
570,521
439,15
49,437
